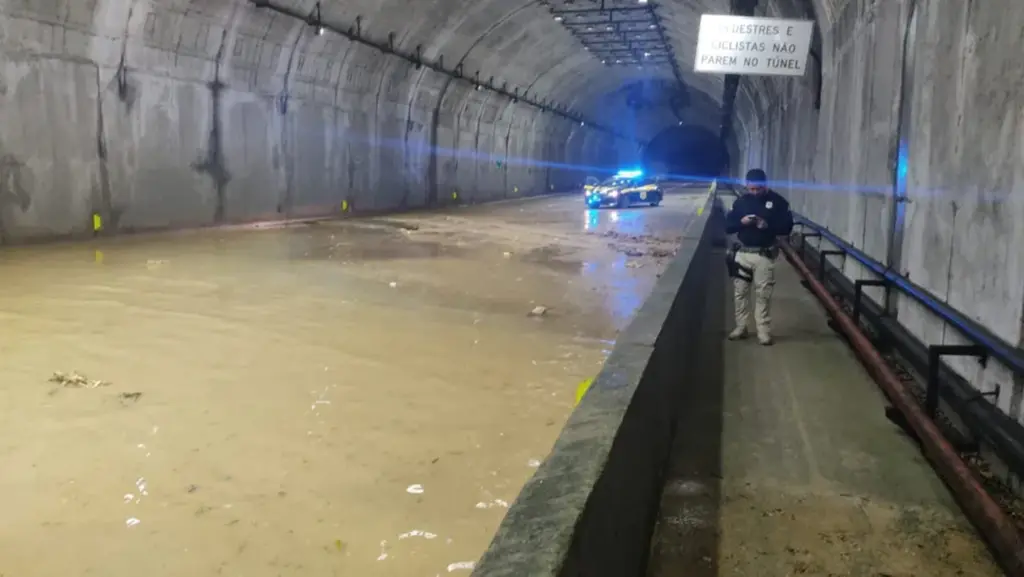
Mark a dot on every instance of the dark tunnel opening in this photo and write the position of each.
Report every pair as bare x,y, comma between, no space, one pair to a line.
690,151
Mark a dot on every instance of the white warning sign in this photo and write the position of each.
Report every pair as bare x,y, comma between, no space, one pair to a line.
754,46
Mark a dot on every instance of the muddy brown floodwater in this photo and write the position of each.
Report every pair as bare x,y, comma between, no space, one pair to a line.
347,398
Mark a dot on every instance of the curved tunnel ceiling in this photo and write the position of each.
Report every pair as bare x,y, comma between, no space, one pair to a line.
516,42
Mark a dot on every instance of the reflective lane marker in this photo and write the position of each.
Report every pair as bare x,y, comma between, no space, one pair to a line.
581,390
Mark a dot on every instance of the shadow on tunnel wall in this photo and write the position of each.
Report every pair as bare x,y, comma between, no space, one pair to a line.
686,152
592,507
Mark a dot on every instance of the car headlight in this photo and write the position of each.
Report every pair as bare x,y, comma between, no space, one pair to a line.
613,193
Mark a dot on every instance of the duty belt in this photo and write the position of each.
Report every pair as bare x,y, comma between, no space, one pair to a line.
765,251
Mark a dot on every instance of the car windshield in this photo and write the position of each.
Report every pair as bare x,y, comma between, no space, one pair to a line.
619,181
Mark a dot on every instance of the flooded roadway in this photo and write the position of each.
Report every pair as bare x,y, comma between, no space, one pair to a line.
347,398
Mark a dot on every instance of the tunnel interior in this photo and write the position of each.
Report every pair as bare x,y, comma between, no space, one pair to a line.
199,113
686,153
902,137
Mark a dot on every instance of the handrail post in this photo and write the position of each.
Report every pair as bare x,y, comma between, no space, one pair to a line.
803,242
935,354
822,256
858,294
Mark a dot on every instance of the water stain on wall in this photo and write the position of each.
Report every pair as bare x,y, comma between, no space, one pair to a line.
15,189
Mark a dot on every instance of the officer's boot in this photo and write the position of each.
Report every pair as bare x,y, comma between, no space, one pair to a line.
738,333
764,336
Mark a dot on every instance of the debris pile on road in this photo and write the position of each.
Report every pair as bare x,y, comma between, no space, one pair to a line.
75,380
649,245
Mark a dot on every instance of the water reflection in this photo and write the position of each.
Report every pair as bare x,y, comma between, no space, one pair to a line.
628,290
299,407
634,221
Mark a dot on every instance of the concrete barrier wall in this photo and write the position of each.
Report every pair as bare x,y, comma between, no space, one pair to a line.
154,116
590,508
959,151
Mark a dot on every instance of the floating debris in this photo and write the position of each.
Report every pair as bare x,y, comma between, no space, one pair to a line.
415,489
76,380
462,566
492,504
418,533
127,398
538,311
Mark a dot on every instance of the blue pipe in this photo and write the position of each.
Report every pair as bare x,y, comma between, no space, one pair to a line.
1007,354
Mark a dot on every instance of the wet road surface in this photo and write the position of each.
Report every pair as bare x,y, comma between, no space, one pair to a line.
359,397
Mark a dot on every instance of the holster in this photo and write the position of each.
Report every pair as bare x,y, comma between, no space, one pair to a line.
735,269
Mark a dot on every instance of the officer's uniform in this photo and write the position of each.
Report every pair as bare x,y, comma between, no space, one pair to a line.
752,260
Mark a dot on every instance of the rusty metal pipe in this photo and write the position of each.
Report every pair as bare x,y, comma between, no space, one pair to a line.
990,519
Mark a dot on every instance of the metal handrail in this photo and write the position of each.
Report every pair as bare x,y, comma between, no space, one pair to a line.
1010,356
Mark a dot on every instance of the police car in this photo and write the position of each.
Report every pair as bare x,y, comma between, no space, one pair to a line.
624,189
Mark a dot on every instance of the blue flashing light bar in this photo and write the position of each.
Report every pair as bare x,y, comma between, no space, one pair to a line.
629,173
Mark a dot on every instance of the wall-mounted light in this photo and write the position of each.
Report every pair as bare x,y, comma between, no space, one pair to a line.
315,20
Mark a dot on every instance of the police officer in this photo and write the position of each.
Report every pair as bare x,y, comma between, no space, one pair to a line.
757,219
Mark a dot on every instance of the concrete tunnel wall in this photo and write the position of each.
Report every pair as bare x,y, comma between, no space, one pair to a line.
168,114
164,113
964,220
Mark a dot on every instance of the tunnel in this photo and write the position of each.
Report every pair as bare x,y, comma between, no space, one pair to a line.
686,152
300,287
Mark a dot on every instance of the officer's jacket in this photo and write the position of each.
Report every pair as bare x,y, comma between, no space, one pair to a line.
770,206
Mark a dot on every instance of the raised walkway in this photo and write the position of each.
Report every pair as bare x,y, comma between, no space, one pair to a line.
785,464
